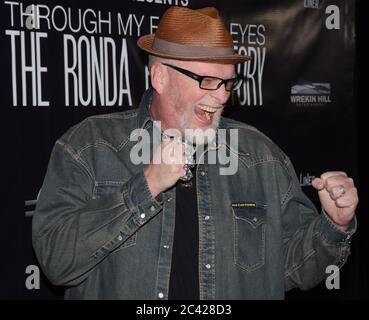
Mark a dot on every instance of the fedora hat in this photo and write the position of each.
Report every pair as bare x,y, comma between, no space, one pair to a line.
186,34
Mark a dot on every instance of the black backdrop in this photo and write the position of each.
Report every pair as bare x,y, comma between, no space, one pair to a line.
81,59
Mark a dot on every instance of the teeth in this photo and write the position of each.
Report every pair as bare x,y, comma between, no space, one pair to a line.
207,115
207,108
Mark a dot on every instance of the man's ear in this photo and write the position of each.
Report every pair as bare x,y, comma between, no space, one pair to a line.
159,77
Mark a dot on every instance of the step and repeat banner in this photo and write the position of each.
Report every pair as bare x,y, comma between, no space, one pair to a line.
62,61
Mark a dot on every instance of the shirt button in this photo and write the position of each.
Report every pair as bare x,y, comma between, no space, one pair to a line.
142,215
120,238
207,266
207,217
161,295
152,208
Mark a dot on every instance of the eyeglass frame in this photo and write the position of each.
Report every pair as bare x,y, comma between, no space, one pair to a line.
199,78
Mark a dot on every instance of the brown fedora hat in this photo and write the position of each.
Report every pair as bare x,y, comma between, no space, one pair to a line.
186,34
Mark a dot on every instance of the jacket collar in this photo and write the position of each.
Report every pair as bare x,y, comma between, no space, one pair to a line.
144,115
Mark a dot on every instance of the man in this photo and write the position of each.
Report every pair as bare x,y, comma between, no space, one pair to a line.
110,228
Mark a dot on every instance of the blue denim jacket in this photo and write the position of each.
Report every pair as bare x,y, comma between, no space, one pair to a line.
98,230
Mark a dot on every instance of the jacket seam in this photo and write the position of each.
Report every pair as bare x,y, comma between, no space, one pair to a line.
298,266
286,196
132,114
310,253
77,158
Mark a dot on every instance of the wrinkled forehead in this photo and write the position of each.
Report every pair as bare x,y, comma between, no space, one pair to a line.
208,68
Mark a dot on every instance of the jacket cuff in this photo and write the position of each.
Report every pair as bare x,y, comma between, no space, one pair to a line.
138,197
331,233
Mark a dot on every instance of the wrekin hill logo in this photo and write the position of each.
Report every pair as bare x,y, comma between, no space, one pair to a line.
311,94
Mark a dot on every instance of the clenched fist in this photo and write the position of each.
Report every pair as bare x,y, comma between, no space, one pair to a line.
338,196
166,166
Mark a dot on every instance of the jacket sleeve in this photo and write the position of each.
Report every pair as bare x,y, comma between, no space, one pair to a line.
71,231
312,242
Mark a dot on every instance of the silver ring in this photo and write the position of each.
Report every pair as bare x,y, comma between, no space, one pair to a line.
342,190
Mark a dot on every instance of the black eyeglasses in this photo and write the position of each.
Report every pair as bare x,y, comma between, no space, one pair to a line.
208,82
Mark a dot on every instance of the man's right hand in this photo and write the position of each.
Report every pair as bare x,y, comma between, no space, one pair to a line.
166,167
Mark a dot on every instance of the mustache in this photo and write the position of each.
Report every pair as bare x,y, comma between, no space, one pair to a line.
210,103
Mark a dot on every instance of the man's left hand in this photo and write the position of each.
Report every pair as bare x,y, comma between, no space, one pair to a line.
338,197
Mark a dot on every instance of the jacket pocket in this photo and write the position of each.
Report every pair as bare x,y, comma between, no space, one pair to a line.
249,220
104,188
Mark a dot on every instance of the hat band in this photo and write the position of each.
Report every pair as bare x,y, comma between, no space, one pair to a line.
185,50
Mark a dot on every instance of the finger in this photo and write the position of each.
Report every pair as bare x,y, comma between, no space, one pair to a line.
166,142
345,202
337,192
338,186
329,180
166,138
329,174
179,153
168,152
173,154
337,180
318,184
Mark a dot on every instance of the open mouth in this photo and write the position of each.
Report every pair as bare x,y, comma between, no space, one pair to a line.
205,113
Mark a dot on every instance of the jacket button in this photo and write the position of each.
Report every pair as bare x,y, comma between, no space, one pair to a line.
161,295
202,173
152,208
207,266
120,238
142,215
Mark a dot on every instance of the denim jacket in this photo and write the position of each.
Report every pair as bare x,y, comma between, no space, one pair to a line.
98,230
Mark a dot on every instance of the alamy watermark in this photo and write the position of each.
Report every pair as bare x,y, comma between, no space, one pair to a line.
215,146
333,280
33,279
